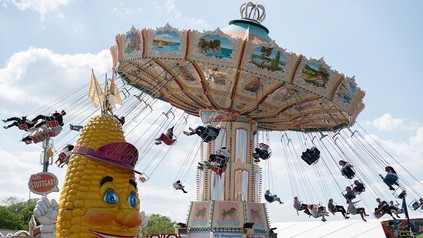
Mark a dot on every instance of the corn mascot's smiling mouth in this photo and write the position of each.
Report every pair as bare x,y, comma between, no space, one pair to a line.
104,235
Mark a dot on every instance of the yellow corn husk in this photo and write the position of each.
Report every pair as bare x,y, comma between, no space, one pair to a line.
82,208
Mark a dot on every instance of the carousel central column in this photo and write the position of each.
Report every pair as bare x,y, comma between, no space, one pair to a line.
229,202
238,181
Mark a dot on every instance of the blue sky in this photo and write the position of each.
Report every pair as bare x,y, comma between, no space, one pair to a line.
48,48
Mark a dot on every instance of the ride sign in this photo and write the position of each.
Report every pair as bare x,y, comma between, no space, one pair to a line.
43,183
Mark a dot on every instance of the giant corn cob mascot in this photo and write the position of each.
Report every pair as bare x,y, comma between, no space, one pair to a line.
99,197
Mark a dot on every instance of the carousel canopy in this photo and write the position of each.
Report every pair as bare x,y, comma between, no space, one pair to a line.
239,70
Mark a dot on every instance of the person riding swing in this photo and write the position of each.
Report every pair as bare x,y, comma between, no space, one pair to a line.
311,156
207,133
271,197
22,123
262,151
347,169
55,120
168,138
391,177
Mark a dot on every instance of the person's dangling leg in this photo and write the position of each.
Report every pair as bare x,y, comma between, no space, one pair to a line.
11,119
362,213
11,125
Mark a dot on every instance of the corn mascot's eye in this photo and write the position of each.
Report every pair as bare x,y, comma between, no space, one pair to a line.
111,197
132,199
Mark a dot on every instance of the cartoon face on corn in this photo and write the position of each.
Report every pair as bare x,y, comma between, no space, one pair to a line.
118,208
100,195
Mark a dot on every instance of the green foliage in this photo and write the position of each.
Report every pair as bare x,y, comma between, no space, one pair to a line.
15,214
158,224
274,64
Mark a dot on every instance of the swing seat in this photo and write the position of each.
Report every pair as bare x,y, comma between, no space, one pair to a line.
414,205
348,172
378,215
348,196
399,193
315,152
264,155
220,160
219,170
207,137
36,138
62,156
165,138
49,133
51,123
23,127
143,178
309,158
359,191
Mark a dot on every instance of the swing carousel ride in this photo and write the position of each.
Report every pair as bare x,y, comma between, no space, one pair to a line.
237,78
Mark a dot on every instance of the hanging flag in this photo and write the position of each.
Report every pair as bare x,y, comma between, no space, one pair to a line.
95,93
113,95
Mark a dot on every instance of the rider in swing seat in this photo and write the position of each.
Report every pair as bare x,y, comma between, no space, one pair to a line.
178,186
358,187
38,136
262,152
333,208
391,177
22,123
207,133
354,210
56,119
217,162
349,193
64,156
318,211
299,206
272,197
311,156
167,138
346,169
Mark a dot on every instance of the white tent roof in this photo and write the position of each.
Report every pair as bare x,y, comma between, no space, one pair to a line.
330,229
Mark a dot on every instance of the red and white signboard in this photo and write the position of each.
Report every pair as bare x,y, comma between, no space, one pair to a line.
43,183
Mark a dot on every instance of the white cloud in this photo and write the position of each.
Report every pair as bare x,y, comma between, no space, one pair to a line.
388,123
35,76
32,79
43,7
